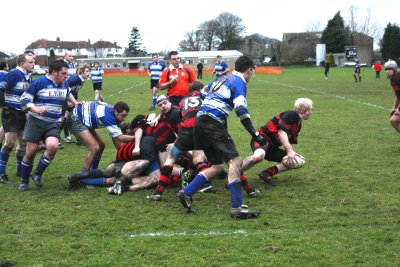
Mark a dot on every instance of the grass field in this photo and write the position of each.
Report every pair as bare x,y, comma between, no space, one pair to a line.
341,209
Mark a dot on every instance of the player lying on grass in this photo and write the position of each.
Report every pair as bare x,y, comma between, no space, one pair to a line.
282,130
129,172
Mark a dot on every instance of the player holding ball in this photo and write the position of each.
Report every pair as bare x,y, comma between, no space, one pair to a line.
282,130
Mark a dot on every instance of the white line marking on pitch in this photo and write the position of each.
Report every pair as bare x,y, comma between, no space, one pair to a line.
323,93
211,233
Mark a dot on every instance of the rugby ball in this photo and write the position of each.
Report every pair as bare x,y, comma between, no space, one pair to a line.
295,163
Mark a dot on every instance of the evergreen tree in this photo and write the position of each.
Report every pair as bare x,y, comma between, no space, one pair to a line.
336,36
135,44
390,44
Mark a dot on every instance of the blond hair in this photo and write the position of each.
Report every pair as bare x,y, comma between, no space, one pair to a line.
303,104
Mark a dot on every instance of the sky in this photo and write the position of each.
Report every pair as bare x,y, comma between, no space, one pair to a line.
163,24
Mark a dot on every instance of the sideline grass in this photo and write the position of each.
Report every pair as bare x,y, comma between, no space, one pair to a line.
341,209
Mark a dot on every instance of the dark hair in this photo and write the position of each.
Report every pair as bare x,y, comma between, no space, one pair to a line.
29,52
243,63
138,120
3,65
173,53
121,106
196,85
57,65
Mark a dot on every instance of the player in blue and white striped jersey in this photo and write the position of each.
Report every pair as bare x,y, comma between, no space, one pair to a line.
87,117
12,86
226,93
97,78
44,100
154,70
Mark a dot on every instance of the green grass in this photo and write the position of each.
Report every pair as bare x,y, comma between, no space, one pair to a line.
341,209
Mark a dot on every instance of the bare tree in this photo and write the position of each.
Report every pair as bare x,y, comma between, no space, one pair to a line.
208,34
192,41
230,31
366,27
314,27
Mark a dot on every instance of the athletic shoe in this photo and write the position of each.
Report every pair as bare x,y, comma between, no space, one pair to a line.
243,212
24,185
37,180
4,179
155,196
185,201
69,140
77,143
267,178
73,185
186,177
152,108
116,189
253,193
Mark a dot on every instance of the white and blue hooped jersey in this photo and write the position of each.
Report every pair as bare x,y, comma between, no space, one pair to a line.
44,93
95,116
75,83
221,66
156,69
225,93
14,85
96,74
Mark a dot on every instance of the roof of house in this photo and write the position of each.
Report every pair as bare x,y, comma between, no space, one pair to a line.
3,55
210,54
44,43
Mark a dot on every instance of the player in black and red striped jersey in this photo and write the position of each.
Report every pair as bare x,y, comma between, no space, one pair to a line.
188,108
282,130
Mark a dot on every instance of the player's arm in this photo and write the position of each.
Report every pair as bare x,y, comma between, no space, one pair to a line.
284,140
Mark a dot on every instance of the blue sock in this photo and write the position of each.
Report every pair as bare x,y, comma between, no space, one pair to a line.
198,182
94,181
235,189
20,156
153,103
84,169
96,161
26,169
4,156
42,165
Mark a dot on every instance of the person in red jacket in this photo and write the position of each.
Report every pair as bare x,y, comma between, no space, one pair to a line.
378,69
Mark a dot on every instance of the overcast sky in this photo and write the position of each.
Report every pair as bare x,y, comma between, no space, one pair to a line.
162,24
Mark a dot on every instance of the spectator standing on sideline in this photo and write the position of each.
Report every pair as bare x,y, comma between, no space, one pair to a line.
378,69
200,70
12,86
211,135
394,77
87,117
282,130
327,66
220,68
357,70
97,79
154,70
176,78
43,100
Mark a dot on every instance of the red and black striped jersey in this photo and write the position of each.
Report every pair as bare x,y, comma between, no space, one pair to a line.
395,83
125,152
288,121
188,108
162,133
